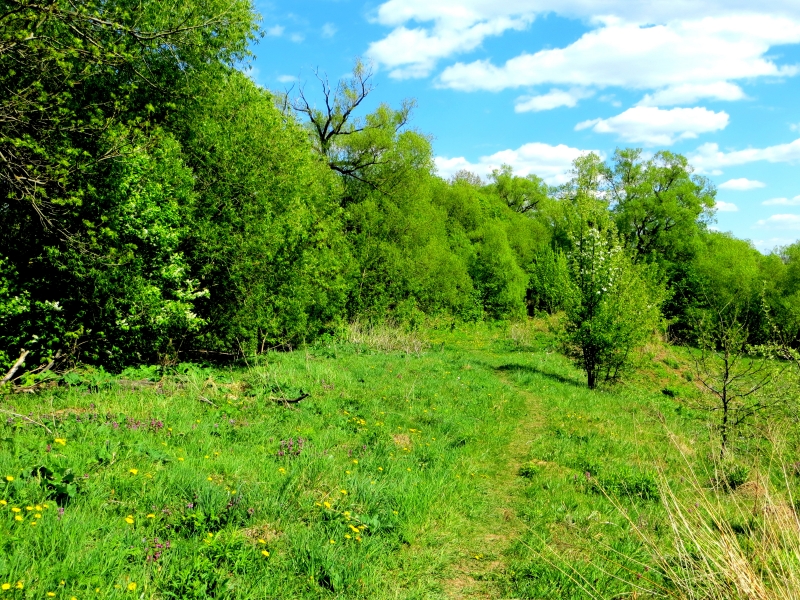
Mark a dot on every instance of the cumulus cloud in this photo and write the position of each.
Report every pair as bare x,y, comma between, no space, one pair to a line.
742,184
414,52
709,156
782,201
689,93
329,30
551,163
654,126
787,221
666,56
725,206
275,31
553,99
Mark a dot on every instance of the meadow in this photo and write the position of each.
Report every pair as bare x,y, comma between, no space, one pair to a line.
465,462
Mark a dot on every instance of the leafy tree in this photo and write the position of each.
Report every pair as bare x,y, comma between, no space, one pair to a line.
659,206
612,305
521,194
267,237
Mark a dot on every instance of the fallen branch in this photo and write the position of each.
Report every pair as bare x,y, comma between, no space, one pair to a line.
207,401
28,419
16,366
302,396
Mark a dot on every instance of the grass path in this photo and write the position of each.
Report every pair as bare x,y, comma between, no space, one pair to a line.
481,569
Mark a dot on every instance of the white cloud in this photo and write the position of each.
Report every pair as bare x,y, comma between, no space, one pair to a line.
287,78
551,163
621,53
414,52
653,126
787,221
782,201
297,37
553,99
329,30
689,93
275,31
725,206
709,156
794,127
770,244
742,184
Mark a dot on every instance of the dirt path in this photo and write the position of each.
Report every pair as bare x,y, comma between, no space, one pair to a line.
480,571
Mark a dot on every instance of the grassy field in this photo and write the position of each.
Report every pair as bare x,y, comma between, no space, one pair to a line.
473,463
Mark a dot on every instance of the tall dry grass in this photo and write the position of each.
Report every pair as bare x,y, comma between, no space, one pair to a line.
385,337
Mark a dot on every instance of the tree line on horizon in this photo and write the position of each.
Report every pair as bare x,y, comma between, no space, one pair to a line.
156,203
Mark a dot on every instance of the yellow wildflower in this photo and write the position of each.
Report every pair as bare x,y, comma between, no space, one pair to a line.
37,516
265,553
355,462
129,519
28,508
180,458
134,471
333,541
281,470
18,518
327,504
19,585
33,523
354,528
3,502
6,586
9,478
39,508
380,468
344,492
51,594
131,587
61,441
151,516
262,542
347,536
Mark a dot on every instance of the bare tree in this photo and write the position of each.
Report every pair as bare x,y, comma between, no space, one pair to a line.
352,145
735,376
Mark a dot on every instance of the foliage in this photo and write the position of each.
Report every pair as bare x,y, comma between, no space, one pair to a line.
612,305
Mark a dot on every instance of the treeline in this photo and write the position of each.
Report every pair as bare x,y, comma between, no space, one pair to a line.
156,204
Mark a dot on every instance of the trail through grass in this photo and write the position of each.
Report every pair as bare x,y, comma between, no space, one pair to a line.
474,465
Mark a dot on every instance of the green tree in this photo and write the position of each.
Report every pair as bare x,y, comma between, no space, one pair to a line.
612,305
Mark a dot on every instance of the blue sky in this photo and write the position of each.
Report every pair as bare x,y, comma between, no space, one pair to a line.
535,83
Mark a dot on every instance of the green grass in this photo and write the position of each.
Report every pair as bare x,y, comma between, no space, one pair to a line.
478,467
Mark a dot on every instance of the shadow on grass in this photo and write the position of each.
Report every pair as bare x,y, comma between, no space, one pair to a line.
517,368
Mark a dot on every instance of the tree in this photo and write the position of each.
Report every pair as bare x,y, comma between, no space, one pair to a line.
659,206
612,305
521,194
729,369
358,147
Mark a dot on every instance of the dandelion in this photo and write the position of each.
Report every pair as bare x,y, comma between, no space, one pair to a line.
61,441
19,518
327,504
262,542
19,585
6,586
211,479
180,459
38,507
355,462
9,478
51,594
344,492
380,468
132,586
151,516
37,516
347,536
358,538
129,519
355,529
134,471
28,508
333,541
3,502
265,553
282,470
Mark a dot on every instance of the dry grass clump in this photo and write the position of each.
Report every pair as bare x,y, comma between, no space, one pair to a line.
386,337
728,545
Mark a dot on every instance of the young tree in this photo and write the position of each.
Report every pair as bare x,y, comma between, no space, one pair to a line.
730,371
613,305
